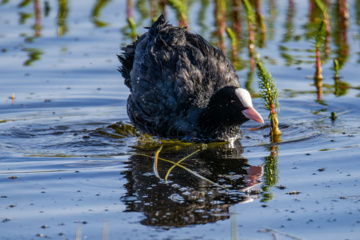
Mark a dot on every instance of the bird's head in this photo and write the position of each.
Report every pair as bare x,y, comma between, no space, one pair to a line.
229,106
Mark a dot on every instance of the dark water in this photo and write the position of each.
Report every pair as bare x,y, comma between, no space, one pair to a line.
71,167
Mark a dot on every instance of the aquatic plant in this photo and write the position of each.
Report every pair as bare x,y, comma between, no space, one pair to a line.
261,28
95,14
37,25
24,3
235,14
33,55
333,116
153,10
270,95
319,40
132,26
326,21
234,43
181,11
251,20
62,16
341,31
289,24
336,69
248,83
220,18
130,19
318,43
175,164
340,87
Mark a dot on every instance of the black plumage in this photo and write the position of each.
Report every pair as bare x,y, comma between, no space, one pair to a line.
181,86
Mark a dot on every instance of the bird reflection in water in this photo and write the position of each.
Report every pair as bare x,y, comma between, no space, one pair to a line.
185,198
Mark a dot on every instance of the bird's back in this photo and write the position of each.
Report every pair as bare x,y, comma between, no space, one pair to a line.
172,74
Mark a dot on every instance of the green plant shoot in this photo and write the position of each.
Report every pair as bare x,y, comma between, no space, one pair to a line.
270,96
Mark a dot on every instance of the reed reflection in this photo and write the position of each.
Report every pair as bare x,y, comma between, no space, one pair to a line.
218,178
62,15
271,172
95,14
33,55
341,31
289,23
37,25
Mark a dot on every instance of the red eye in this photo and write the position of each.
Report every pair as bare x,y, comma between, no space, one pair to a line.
233,101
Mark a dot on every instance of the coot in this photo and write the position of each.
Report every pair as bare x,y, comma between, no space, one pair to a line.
182,87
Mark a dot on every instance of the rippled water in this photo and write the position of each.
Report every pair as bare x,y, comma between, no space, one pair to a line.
72,168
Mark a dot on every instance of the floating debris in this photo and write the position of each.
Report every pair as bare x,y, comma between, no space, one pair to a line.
293,193
333,116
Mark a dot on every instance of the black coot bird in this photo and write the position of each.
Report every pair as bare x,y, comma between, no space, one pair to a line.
182,87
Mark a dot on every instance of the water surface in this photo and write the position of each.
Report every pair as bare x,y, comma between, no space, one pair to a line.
71,167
